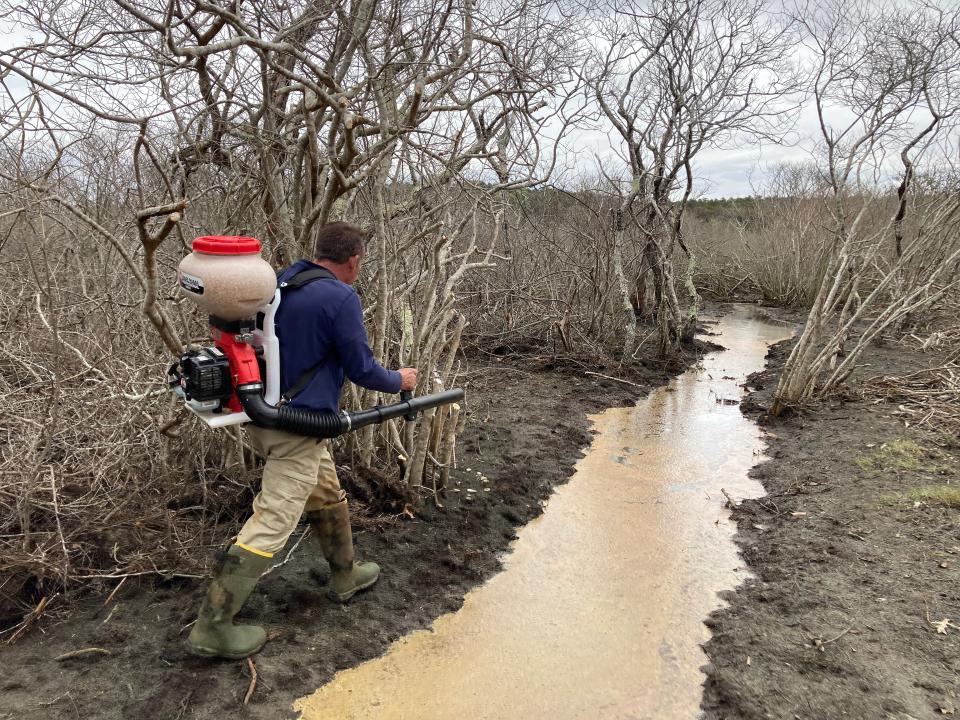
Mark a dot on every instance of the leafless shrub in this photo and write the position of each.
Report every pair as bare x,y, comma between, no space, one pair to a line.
95,480
557,293
885,261
776,252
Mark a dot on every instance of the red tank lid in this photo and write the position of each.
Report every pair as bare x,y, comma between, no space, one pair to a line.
226,245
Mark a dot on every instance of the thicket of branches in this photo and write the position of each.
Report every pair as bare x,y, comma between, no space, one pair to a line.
127,129
130,129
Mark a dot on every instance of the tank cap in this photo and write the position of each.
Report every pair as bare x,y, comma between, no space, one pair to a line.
226,245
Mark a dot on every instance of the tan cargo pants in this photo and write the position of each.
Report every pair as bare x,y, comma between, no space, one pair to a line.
299,475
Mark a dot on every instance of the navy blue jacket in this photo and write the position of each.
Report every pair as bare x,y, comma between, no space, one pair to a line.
323,320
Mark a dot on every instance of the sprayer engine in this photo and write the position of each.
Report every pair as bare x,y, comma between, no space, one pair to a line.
208,377
202,378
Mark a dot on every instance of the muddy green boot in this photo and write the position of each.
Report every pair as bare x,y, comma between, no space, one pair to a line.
347,578
214,634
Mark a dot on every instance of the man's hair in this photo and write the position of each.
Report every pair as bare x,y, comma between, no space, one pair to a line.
339,241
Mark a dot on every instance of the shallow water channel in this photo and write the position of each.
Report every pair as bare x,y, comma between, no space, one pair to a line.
599,610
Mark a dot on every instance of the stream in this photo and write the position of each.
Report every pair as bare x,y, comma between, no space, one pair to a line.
599,611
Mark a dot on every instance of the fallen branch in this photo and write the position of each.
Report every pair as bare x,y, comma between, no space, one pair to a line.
287,559
730,501
253,681
115,590
30,619
117,576
610,377
820,643
81,653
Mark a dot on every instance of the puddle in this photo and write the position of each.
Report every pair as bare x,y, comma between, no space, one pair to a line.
599,611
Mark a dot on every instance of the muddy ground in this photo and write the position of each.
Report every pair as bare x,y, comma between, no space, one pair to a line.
527,427
854,567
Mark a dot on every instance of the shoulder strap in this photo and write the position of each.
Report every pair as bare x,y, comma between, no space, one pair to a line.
293,283
306,276
305,377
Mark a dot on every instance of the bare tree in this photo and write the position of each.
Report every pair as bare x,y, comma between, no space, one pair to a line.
884,82
674,77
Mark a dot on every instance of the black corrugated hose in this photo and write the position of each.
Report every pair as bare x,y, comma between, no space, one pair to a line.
327,425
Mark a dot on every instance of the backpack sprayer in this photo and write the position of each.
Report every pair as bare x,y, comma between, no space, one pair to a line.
237,380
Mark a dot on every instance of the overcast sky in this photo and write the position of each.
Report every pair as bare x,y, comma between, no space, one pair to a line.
735,171
738,169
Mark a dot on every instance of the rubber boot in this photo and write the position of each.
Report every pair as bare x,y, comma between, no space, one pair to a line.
214,634
347,578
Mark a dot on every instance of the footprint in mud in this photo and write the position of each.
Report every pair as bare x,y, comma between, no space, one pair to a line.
624,459
667,654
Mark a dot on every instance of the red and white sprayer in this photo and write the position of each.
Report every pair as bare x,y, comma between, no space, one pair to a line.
237,380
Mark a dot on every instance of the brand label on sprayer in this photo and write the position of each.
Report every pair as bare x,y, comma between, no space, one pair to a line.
191,283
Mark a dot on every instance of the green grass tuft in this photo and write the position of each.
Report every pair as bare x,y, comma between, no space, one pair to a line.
945,495
899,454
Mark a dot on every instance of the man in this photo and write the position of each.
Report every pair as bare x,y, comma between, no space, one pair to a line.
322,339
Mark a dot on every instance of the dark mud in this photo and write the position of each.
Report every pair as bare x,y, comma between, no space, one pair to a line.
851,571
527,425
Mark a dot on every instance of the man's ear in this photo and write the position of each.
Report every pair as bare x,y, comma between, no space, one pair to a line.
354,263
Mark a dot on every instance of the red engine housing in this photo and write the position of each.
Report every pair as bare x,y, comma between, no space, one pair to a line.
244,367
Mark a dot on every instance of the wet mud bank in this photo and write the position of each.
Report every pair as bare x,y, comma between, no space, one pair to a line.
528,425
855,566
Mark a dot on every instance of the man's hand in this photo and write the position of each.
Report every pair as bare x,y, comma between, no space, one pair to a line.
408,378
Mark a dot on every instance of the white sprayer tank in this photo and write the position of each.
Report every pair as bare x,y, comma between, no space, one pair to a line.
226,276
